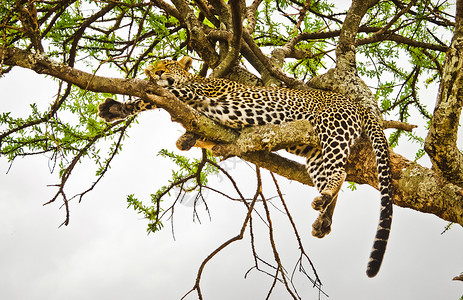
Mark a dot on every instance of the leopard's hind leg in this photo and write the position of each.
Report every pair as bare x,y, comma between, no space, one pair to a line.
325,204
322,176
332,159
322,225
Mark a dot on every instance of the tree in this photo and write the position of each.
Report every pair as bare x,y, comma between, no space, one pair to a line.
285,42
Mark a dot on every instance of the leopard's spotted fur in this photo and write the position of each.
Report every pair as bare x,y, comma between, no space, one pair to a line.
337,120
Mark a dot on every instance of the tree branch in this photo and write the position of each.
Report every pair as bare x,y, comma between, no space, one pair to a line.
398,125
441,198
234,46
345,50
197,36
228,242
401,40
441,141
270,68
344,78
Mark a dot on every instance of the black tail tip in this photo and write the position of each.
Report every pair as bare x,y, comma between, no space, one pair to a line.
373,269
372,274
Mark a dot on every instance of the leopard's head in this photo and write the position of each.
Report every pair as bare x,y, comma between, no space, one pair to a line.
170,72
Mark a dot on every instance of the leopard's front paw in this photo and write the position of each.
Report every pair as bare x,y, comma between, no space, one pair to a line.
111,110
321,226
186,141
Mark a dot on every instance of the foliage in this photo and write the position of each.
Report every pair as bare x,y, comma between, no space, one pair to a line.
71,128
190,178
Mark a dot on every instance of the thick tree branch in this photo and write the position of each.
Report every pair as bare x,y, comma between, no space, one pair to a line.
410,180
167,8
234,46
223,10
345,50
424,190
441,141
251,15
41,64
204,7
270,68
197,36
344,79
27,14
269,138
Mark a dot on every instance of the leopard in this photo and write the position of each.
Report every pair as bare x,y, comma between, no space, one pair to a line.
337,120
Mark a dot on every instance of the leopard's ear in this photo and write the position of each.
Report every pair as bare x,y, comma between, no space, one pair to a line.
186,62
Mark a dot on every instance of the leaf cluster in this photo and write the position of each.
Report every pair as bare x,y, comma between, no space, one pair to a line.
189,180
66,132
399,71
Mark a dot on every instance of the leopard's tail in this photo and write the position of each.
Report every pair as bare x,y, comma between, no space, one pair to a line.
381,149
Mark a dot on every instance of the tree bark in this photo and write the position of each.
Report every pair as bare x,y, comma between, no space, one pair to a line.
441,142
343,78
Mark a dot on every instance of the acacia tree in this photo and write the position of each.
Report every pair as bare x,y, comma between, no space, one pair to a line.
273,43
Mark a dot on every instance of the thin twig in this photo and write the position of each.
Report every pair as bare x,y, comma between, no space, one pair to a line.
276,255
317,282
225,244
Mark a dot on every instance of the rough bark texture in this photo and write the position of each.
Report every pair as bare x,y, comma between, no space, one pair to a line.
344,79
441,142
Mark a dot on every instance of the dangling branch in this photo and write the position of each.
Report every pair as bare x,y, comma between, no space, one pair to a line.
238,237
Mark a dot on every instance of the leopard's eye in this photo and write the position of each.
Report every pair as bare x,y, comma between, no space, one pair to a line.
159,72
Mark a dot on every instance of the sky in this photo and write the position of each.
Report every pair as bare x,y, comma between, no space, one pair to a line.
105,252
